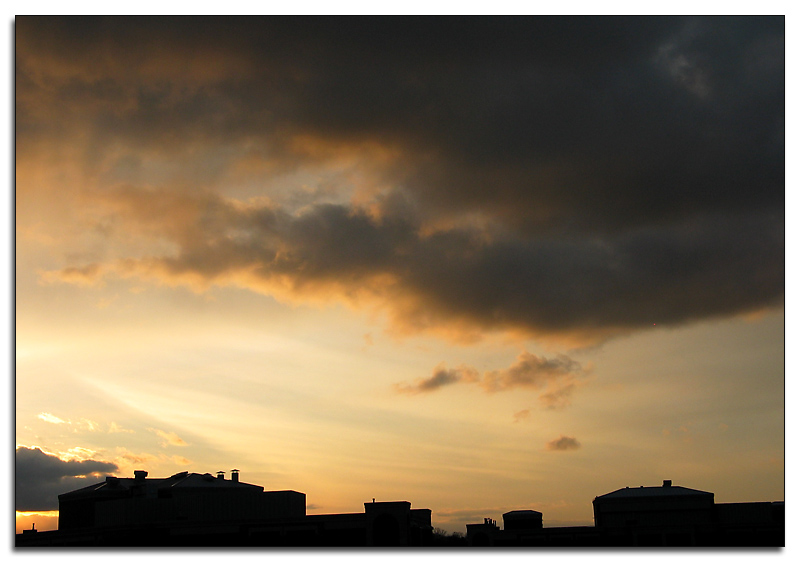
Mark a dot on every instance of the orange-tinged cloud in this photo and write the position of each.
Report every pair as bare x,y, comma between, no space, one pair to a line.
556,379
441,377
128,461
521,415
459,282
449,216
530,371
168,438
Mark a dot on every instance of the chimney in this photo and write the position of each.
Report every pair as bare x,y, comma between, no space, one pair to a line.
667,483
235,474
221,475
140,475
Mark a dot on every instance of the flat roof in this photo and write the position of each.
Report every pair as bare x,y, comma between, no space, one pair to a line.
652,492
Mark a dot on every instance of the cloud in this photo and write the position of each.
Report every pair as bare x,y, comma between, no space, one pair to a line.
530,371
441,377
559,397
521,415
114,427
573,178
136,459
78,453
40,477
168,438
81,424
563,443
556,379
460,279
50,418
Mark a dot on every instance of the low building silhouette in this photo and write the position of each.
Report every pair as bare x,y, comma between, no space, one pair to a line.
205,510
183,497
663,515
201,509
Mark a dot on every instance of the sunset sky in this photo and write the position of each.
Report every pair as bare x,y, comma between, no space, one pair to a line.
475,264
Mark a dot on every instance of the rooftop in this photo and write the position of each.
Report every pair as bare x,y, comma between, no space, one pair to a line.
115,486
666,489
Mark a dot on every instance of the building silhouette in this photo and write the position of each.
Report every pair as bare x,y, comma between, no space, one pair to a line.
205,510
663,515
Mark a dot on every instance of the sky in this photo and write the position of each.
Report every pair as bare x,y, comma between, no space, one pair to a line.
477,264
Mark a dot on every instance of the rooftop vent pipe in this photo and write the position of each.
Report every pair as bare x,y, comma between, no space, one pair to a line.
667,483
221,475
235,474
140,475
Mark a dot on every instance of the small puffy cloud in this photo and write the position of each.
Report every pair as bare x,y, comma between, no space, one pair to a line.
521,415
82,424
135,458
563,443
41,477
530,371
114,427
168,438
78,453
559,397
50,418
88,425
441,377
556,379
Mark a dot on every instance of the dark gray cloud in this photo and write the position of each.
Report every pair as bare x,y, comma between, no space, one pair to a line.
585,176
594,287
40,478
570,123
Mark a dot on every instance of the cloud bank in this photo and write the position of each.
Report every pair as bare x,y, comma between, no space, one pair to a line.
570,178
41,477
